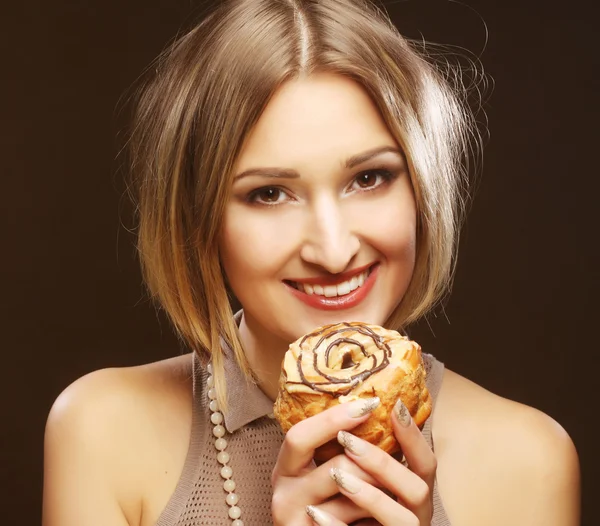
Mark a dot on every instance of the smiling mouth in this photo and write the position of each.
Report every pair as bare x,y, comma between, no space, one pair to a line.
331,291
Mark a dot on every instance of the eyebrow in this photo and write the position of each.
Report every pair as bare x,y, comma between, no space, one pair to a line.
351,162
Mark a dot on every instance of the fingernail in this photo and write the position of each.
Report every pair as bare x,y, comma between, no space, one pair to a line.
351,443
402,413
320,517
345,481
361,407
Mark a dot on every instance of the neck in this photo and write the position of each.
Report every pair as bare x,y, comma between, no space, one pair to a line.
265,353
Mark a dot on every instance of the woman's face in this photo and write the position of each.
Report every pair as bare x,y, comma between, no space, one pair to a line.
321,222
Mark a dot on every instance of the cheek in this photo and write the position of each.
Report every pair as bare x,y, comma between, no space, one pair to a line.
398,238
391,228
253,243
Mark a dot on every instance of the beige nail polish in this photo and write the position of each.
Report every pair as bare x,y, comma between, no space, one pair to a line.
320,517
351,443
361,407
345,480
402,413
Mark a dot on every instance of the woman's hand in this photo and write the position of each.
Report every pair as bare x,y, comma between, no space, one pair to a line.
298,483
411,487
358,477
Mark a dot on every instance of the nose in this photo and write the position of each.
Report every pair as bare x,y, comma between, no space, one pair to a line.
330,240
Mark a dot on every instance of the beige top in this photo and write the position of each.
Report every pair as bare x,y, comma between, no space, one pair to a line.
253,441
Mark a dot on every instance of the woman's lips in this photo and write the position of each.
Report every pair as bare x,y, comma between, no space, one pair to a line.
345,301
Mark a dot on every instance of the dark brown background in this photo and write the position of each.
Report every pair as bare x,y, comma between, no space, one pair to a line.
524,308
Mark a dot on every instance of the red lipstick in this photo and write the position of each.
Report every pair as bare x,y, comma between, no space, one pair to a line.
346,301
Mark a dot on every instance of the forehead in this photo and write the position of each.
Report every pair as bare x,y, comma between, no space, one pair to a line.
322,118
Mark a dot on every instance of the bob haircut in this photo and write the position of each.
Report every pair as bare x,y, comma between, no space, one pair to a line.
204,95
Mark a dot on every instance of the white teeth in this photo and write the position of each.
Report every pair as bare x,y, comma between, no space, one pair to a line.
343,288
330,291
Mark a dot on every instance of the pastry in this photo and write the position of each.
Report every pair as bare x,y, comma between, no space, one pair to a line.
346,361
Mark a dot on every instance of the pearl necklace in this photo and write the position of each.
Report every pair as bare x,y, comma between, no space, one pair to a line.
223,457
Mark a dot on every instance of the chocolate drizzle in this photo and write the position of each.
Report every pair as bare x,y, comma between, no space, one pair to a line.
334,385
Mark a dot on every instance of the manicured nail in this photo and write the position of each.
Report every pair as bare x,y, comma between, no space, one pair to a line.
402,413
361,407
320,517
345,480
351,443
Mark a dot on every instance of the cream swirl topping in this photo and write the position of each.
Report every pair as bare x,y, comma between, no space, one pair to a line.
336,358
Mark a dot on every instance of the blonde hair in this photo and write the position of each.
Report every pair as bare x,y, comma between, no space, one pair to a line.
203,98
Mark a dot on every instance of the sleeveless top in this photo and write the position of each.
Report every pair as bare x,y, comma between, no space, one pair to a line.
253,442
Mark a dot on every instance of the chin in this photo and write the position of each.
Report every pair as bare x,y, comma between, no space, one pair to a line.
309,321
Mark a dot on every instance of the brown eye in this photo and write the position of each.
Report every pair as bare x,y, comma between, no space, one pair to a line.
367,179
267,195
372,179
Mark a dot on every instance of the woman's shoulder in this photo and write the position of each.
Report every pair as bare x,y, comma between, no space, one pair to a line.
129,427
507,460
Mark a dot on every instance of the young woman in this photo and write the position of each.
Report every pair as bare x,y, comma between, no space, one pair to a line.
303,157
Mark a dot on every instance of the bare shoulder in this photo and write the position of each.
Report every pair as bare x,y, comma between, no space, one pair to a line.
502,462
117,435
